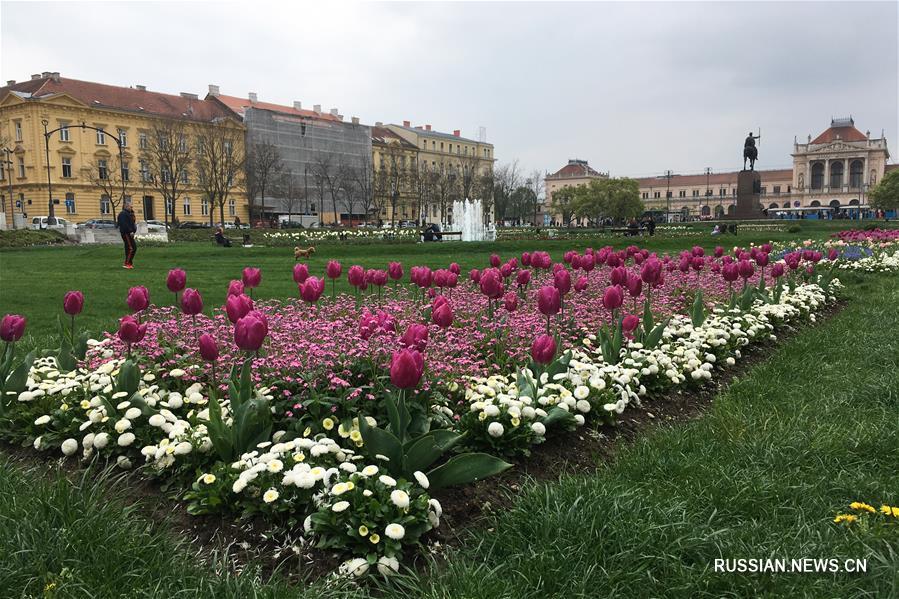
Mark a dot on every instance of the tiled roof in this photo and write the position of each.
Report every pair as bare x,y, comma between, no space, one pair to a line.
240,105
100,95
714,179
432,132
576,169
847,133
383,135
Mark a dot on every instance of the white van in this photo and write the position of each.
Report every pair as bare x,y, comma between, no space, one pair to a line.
50,222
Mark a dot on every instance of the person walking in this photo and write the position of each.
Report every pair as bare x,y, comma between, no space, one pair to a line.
127,225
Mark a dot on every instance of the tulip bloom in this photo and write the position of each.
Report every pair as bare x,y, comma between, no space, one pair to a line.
833,254
634,285
395,271
526,259
252,277
235,288
580,284
311,289
629,324
729,272
406,368
333,269
300,273
474,275
777,270
455,268
73,303
562,280
191,302
356,275
250,331
491,284
12,327
237,306
506,270
745,269
543,350
415,337
612,298
138,298
176,281
510,301
131,332
494,261
442,315
523,278
549,301
209,351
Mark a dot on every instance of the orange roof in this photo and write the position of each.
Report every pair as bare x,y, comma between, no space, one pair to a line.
576,168
714,179
131,99
240,105
847,133
383,135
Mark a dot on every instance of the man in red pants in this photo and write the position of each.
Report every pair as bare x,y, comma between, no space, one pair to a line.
127,225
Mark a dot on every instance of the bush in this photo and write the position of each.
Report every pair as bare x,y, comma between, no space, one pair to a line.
30,237
794,229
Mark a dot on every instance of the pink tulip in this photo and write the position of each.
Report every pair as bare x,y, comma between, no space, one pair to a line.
729,272
588,262
176,280
697,263
356,275
745,269
651,271
252,277
474,275
250,331
455,268
506,270
311,289
629,323
130,331
510,301
719,251
612,298
332,270
580,284
549,301
406,368
697,251
526,259
618,275
833,254
395,270
777,270
562,281
523,278
442,315
415,337
494,261
634,285
575,262
491,284
191,302
209,351
237,306
73,303
300,273
761,259
543,350
12,327
138,298
235,288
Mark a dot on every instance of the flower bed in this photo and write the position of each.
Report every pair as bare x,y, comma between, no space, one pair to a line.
342,416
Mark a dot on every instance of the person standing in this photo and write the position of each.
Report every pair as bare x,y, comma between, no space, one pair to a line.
127,225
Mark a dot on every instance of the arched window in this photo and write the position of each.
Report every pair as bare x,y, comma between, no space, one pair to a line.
835,204
719,211
856,168
786,205
772,206
731,210
853,202
706,210
818,175
815,204
836,175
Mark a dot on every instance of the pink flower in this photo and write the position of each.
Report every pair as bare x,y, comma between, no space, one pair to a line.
543,350
833,254
442,315
562,280
356,275
311,289
523,278
300,273
762,259
455,268
651,271
629,323
138,298
395,271
332,270
406,368
549,301
12,327
73,303
612,298
526,259
176,280
494,261
777,270
250,332
251,277
237,306
506,270
510,301
191,302
745,269
729,272
130,331
235,288
415,337
634,285
588,262
209,351
474,275
719,251
618,275
580,284
491,284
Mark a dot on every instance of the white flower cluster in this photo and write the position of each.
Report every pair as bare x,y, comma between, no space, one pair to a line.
879,262
313,235
301,463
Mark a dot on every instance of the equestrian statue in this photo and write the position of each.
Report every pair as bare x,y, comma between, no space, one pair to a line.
750,152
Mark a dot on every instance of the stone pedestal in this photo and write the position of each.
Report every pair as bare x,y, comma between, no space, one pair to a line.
749,190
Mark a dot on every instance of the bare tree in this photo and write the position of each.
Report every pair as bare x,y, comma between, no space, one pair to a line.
380,197
506,179
446,189
219,165
165,160
263,167
291,191
329,174
106,175
535,183
362,178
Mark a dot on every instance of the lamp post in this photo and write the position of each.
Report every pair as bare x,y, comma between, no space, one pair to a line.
668,196
708,190
12,201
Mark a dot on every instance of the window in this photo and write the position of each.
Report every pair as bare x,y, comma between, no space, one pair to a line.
70,203
182,144
682,193
123,138
645,195
695,193
232,207
101,136
21,167
855,174
186,206
144,171
2,170
64,132
657,195
18,125
441,146
166,175
105,204
226,146
722,192
66,167
204,206
126,172
170,207
142,140
183,176
818,175
777,190
836,175
764,190
102,170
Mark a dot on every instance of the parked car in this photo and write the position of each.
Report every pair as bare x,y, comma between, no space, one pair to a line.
156,226
231,225
189,224
48,222
99,223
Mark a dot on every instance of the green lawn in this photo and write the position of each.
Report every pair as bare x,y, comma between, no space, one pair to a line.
762,474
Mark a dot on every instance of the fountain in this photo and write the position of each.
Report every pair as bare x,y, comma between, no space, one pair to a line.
468,217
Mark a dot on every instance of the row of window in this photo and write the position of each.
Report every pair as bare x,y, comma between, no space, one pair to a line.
460,149
106,205
722,192
856,173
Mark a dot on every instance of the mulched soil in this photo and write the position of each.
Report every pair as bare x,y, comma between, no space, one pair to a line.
465,508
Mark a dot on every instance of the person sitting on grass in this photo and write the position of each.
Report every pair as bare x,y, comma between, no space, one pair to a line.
716,231
221,239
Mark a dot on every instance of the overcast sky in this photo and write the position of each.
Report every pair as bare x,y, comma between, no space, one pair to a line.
635,88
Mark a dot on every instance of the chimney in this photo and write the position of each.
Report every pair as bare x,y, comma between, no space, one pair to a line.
35,76
457,133
253,97
407,124
297,105
214,90
379,124
334,112
427,127
11,82
46,74
141,88
55,76
189,96
317,108
355,120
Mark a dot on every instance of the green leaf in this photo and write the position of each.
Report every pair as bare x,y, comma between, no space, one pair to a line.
378,441
697,315
655,336
246,380
557,416
466,468
18,379
420,454
219,433
64,358
647,317
129,378
80,349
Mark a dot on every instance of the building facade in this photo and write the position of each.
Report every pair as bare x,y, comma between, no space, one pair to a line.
86,169
448,167
576,173
395,167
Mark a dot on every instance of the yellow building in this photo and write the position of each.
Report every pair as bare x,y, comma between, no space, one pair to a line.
394,172
449,167
85,171
576,173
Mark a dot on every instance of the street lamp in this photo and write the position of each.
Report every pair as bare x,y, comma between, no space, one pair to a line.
12,202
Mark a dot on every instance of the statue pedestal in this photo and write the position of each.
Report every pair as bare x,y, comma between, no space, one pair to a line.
749,190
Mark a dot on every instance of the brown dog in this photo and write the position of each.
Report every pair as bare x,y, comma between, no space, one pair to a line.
303,253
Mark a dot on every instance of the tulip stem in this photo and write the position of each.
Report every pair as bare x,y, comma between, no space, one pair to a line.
547,324
73,330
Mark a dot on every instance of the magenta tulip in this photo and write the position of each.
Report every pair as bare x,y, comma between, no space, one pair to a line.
250,331
130,331
629,323
510,301
191,302
833,254
442,315
252,277
491,284
526,259
549,301
777,270
300,273
176,280
543,350
761,259
506,270
406,368
618,275
311,289
12,327
523,278
580,284
634,285
415,337
333,269
395,271
138,298
474,275
73,303
562,281
237,306
455,268
651,271
719,251
612,298
209,351
235,288
745,269
494,261
356,275
729,272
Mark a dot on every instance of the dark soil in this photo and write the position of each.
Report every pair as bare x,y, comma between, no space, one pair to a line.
255,543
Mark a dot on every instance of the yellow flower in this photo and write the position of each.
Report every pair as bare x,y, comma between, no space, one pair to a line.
885,509
363,530
516,422
327,424
355,436
85,404
64,407
342,432
209,478
375,538
299,456
482,416
350,485
845,518
858,505
307,432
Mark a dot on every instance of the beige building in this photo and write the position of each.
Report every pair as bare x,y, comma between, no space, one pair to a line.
576,173
449,167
